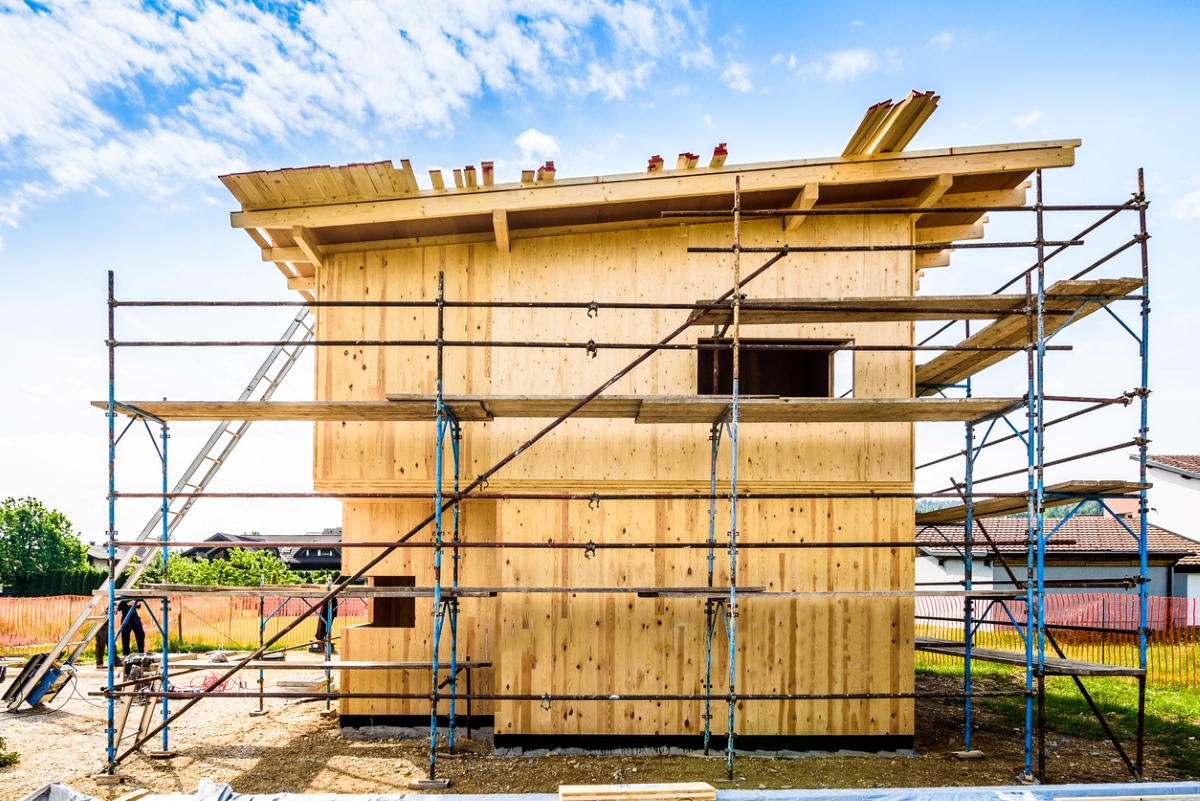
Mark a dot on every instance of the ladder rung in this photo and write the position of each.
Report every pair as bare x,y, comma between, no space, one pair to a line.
96,617
80,642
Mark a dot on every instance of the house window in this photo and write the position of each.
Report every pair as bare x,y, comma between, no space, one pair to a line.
393,613
768,367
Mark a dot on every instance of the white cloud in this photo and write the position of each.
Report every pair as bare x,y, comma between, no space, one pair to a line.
1187,207
738,77
941,41
1025,120
121,92
849,64
535,144
788,61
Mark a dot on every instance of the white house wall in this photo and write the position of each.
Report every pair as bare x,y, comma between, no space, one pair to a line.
1175,503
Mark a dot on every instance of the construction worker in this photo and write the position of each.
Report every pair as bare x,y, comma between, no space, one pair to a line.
324,621
130,623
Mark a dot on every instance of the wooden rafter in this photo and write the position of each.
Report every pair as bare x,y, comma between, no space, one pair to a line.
805,200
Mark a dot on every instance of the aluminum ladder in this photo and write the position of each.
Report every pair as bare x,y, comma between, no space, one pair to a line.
221,443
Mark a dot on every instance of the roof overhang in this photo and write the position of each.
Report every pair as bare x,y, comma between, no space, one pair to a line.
1166,468
298,216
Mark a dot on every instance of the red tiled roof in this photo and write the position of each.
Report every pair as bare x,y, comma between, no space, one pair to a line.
1123,506
1187,463
1088,533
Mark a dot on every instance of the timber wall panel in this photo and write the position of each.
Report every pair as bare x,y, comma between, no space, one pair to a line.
621,643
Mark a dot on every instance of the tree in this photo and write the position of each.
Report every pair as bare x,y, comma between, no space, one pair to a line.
35,541
244,568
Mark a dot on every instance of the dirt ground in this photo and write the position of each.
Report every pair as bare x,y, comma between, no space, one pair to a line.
294,749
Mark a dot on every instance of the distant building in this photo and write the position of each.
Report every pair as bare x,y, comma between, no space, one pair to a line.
1085,548
316,553
1175,497
97,556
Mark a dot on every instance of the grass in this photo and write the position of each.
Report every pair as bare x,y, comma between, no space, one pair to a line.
1172,716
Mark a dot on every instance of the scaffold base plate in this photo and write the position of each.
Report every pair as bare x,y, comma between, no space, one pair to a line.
967,754
162,754
428,784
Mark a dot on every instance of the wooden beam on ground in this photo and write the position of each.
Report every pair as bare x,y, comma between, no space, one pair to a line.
307,246
500,224
803,202
676,791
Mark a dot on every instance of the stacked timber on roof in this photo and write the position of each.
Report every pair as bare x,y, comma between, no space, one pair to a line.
369,232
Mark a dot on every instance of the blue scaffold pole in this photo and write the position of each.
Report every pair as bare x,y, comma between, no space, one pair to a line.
111,731
166,607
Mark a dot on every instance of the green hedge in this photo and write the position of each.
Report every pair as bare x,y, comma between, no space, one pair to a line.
80,581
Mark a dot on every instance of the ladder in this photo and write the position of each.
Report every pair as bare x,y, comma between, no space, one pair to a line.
195,479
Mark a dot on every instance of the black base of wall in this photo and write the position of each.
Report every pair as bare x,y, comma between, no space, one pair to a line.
612,742
748,742
413,721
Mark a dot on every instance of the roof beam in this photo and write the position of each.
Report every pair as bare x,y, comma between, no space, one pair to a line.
307,246
932,258
949,233
500,224
933,192
650,186
803,202
284,254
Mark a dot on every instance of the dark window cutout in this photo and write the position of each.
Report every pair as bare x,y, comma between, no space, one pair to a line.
393,613
768,371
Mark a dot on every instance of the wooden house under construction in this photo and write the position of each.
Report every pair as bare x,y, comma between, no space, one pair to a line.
564,269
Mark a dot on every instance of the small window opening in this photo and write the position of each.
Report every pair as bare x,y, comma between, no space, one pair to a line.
789,368
392,613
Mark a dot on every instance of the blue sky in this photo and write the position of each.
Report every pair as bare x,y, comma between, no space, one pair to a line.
115,118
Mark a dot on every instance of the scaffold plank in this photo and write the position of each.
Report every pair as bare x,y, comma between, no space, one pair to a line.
277,664
1054,665
1061,309
766,311
660,409
1068,492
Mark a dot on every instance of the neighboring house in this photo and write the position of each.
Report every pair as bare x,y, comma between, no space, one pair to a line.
97,556
1085,547
315,554
1175,497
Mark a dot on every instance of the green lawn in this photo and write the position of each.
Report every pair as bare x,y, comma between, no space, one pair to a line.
1172,716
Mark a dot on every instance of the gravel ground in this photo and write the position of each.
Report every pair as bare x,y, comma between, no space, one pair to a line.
294,749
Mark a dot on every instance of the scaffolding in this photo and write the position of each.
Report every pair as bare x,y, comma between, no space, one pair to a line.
1024,322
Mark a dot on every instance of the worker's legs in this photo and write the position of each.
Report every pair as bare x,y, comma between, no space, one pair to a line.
322,628
133,626
101,644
